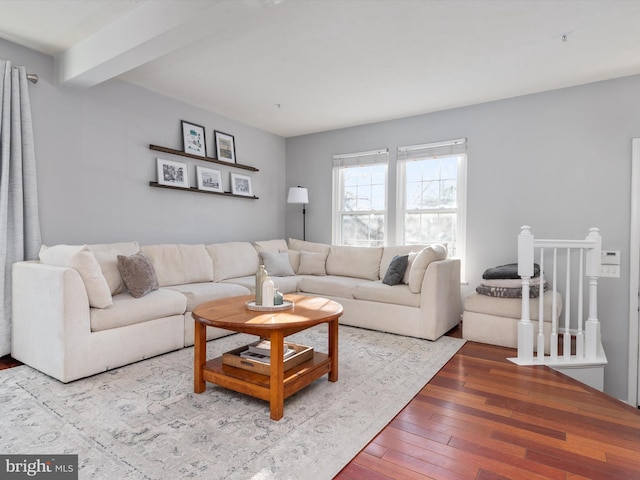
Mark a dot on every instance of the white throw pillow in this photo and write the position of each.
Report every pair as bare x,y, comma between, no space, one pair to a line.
412,257
107,256
312,263
277,264
421,262
82,260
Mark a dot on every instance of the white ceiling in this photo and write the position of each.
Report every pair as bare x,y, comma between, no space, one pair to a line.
293,67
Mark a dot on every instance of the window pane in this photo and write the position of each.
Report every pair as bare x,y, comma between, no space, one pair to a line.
377,197
362,204
448,193
430,186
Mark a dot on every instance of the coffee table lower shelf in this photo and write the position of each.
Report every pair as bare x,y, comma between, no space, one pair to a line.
258,385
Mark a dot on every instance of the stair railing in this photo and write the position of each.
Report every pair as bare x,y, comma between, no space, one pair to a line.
587,334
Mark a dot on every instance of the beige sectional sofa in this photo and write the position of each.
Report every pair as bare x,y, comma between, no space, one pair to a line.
73,316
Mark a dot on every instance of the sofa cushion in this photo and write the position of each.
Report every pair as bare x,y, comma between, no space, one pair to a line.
300,245
138,274
395,272
127,310
180,264
197,293
273,246
360,262
379,292
389,252
312,263
294,259
277,264
107,256
233,259
81,259
422,260
333,286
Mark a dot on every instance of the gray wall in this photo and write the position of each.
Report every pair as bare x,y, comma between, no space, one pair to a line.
94,166
559,161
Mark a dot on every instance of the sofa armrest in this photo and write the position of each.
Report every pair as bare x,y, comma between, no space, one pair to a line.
440,299
50,317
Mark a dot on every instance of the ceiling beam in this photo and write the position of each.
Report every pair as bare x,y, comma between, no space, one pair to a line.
148,32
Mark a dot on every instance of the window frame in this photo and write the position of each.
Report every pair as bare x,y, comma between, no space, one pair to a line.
432,151
357,160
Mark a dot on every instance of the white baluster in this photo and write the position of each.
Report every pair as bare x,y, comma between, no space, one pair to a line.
553,339
540,308
580,335
566,336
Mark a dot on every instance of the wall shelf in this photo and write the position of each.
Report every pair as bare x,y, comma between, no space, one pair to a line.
205,159
196,190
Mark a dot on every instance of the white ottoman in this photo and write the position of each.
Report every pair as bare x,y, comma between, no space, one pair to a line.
494,320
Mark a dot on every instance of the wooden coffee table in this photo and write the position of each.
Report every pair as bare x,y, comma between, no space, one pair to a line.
232,314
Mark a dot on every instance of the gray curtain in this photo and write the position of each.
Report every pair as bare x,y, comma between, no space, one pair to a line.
19,222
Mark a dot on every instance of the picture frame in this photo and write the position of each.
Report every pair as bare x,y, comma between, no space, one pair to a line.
209,179
172,173
225,146
193,139
241,185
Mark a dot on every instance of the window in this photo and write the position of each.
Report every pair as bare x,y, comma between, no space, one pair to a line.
360,198
431,195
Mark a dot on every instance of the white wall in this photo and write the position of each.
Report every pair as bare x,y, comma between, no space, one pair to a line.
94,166
559,161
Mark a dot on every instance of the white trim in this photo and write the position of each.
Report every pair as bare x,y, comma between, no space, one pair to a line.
360,154
634,274
445,143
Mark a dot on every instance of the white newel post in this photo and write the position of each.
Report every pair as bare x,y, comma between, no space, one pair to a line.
525,271
592,325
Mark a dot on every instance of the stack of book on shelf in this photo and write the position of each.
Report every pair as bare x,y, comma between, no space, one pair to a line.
261,351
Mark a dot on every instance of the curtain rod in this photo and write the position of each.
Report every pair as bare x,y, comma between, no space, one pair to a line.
32,77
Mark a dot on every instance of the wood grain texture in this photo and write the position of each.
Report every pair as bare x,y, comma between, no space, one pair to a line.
482,417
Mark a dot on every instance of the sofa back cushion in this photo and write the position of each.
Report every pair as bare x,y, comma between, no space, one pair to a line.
82,260
271,246
180,264
358,262
233,260
107,256
303,245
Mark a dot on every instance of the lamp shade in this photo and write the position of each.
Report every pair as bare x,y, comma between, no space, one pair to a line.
298,195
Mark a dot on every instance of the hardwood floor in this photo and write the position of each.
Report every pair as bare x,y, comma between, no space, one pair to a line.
482,417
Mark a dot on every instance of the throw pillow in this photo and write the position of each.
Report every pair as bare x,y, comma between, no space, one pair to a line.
395,272
423,259
312,263
81,259
412,257
138,274
277,264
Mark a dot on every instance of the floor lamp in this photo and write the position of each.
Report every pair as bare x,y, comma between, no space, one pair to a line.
300,195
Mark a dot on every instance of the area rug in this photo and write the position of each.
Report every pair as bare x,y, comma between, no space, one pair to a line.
143,421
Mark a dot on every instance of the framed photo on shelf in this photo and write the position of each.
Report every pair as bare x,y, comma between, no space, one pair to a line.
209,179
225,147
241,185
193,139
172,173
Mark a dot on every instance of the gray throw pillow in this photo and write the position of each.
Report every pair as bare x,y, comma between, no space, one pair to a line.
395,272
277,264
138,274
